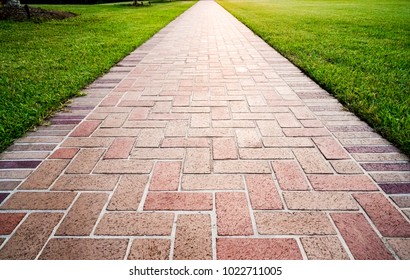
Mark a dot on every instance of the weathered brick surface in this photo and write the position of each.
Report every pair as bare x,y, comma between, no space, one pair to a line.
39,201
241,166
212,182
263,193
166,176
363,242
342,183
312,161
248,138
84,249
224,148
324,248
128,193
178,201
401,247
232,212
158,153
73,182
312,200
289,175
45,175
150,249
85,161
257,249
330,148
193,238
86,128
9,222
64,153
123,166
197,160
120,148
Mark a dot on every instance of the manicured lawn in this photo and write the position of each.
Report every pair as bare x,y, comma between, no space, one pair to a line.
359,50
42,65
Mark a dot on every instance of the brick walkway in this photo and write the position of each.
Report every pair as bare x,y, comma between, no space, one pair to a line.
204,143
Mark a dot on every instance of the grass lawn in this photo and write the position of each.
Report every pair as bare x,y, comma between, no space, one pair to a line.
359,50
42,65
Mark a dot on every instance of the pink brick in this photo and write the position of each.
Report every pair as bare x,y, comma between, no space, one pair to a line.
110,101
363,242
123,166
269,128
39,201
401,246
149,137
82,182
293,223
324,248
387,219
330,148
193,238
44,176
248,138
120,148
150,249
198,160
312,161
265,153
302,113
305,132
312,200
136,103
212,182
257,249
200,120
342,183
9,221
181,101
186,143
233,214
176,128
140,113
64,153
283,142
158,153
263,193
114,120
220,113
224,148
178,201
85,161
85,129
166,176
128,193
290,176
287,120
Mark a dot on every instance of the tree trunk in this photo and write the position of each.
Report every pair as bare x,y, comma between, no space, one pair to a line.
12,3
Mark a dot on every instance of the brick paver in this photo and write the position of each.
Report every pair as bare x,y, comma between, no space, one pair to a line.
204,143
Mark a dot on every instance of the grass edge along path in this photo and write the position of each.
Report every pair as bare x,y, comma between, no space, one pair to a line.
356,50
44,65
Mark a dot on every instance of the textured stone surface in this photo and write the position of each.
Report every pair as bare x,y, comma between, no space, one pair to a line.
9,222
212,182
263,193
128,193
150,249
178,201
342,183
39,201
86,182
44,175
323,248
290,175
401,247
319,201
166,176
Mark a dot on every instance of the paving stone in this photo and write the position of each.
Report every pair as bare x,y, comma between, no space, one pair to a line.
220,113
186,143
145,124
178,201
3,196
224,148
149,138
9,221
81,182
200,120
24,155
386,166
372,149
139,113
263,193
287,120
86,142
210,132
85,161
290,176
120,148
330,148
44,175
312,161
84,249
363,242
128,193
131,223
312,200
379,157
241,166
166,176
123,166
387,219
114,120
401,247
402,201
257,249
302,113
287,142
193,238
176,128
391,177
64,153
212,182
342,183
158,153
267,153
269,128
30,237
150,249
38,201
233,124
198,160
324,248
19,164
85,129
346,167
248,138
232,212
293,223
9,185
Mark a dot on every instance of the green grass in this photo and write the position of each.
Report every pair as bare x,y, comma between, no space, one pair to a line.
43,65
359,50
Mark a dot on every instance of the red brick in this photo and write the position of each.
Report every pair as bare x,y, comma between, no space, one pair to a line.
85,161
330,148
287,120
193,238
312,200
178,201
212,182
150,249
166,176
83,215
324,248
9,221
85,129
224,148
149,138
263,193
186,143
401,247
86,142
132,223
241,166
120,148
158,153
290,176
257,249
30,237
387,219
64,153
312,161
114,120
139,113
232,212
293,223
124,166
363,242
39,201
136,103
109,101
128,193
198,160
84,249
45,174
248,138
86,182
342,183
220,113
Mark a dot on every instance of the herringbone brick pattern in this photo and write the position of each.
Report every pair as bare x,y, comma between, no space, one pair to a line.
204,143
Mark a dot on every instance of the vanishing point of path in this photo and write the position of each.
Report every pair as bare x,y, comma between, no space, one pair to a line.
204,143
